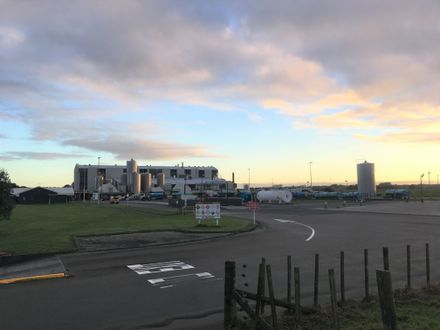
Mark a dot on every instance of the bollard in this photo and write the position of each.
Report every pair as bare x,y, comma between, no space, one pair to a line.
289,279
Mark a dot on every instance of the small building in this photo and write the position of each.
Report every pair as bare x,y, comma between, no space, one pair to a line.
40,195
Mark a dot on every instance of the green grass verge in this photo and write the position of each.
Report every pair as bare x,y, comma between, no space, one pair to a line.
51,228
415,310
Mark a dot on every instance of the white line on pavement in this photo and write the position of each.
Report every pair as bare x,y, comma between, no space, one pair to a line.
301,224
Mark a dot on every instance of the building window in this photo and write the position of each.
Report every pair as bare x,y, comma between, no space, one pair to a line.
201,173
155,171
143,170
173,173
214,174
187,172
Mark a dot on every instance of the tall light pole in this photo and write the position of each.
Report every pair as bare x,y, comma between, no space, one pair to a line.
429,177
421,186
310,170
98,173
249,179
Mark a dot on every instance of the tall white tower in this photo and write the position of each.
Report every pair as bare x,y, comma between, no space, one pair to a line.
366,179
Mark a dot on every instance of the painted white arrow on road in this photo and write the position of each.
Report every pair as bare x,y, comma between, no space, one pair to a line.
298,223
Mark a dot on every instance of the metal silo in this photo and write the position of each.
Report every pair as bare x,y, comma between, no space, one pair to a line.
161,179
131,168
366,180
136,183
146,182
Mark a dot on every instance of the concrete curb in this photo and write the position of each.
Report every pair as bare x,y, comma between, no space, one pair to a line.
32,278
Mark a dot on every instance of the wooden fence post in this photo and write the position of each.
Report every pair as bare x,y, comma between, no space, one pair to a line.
230,309
386,298
260,289
386,259
367,285
272,298
342,274
289,279
331,278
428,268
297,296
316,284
408,267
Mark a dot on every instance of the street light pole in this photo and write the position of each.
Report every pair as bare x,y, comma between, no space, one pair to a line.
429,177
421,187
310,170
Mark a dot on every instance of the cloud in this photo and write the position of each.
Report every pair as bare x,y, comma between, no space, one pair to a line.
404,137
124,148
19,155
255,117
342,64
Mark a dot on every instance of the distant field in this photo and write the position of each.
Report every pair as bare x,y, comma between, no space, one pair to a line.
51,228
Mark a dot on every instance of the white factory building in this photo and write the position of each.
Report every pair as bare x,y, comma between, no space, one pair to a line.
133,178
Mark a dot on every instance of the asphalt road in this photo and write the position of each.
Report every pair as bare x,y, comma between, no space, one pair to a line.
103,293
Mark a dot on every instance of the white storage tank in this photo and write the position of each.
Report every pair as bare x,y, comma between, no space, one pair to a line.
161,179
277,196
366,179
131,168
136,183
146,182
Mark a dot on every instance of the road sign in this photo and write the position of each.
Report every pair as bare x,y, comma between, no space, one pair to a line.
253,205
207,211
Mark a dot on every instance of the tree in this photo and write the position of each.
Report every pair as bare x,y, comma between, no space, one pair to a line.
6,201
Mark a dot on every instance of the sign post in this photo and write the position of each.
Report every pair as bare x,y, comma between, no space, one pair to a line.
253,206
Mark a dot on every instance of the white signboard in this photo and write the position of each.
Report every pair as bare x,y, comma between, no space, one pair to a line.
207,211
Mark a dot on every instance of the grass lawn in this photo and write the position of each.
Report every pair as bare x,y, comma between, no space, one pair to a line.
415,310
51,228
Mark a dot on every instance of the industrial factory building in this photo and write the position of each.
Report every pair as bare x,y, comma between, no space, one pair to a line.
134,179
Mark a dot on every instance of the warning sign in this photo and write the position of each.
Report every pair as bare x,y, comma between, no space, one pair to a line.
207,211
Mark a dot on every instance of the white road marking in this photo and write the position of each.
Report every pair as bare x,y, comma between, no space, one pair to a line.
179,278
301,224
160,267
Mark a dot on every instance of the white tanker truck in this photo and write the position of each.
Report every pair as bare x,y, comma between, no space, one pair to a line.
274,196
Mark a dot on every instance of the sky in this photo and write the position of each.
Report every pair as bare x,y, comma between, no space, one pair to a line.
259,88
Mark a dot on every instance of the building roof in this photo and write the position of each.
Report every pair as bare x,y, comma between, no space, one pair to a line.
59,191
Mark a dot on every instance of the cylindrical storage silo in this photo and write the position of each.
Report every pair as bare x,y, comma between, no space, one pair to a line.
136,183
131,168
366,180
161,179
146,182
